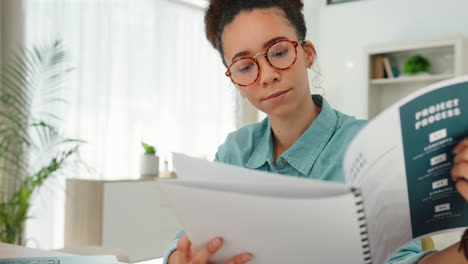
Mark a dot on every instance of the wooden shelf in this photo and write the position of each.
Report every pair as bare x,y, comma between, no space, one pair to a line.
448,57
407,79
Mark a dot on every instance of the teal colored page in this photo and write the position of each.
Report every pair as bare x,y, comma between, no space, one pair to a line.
431,126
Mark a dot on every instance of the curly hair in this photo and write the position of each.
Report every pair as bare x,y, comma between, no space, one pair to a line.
222,12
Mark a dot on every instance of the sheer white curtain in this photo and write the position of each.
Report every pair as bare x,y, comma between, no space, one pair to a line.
143,71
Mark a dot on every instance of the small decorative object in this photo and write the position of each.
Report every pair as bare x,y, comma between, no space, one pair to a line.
149,162
378,69
395,72
388,67
417,64
332,2
165,173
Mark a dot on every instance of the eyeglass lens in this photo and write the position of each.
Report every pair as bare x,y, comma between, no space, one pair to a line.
281,56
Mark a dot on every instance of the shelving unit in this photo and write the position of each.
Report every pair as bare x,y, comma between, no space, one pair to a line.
407,79
448,57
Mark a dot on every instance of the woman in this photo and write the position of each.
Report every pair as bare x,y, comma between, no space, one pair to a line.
262,44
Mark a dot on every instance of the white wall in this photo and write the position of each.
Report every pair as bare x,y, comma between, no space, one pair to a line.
311,14
11,25
11,33
345,29
341,32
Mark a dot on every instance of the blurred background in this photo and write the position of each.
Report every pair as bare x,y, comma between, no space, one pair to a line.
142,70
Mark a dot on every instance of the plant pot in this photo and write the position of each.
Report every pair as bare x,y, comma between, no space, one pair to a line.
149,166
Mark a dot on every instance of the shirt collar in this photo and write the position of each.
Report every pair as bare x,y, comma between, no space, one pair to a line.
303,154
264,150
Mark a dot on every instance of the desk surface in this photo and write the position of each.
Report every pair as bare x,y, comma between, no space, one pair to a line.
13,251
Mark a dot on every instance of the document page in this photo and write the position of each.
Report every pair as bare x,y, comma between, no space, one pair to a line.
193,169
274,229
401,161
278,218
432,125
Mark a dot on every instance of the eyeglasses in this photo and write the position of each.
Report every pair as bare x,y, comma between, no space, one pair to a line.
280,55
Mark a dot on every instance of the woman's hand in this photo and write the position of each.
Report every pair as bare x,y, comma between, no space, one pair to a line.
460,175
186,253
460,168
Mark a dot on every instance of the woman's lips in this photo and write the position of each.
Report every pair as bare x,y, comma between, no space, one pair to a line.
276,97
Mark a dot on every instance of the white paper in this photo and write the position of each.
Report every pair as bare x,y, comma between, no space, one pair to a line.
273,229
192,169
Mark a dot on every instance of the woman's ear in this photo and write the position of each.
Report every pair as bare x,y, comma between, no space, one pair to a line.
309,49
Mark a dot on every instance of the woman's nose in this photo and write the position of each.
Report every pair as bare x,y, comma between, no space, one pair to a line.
268,74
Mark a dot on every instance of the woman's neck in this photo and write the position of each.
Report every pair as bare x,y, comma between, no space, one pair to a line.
287,130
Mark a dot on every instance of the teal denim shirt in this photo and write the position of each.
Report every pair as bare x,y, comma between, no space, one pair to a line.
317,154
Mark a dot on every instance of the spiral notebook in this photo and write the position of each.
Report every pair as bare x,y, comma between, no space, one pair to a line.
398,189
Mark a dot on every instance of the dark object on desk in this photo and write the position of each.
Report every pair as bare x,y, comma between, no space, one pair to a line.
464,244
332,2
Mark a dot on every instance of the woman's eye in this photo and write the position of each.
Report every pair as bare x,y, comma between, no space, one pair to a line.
245,68
280,53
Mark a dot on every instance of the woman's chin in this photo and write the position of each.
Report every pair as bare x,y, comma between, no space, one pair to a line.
280,112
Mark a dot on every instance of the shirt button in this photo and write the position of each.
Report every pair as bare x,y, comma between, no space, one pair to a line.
284,161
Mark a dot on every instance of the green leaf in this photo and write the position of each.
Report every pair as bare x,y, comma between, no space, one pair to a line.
149,150
32,79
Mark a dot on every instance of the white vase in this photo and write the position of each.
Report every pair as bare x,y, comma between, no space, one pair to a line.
149,166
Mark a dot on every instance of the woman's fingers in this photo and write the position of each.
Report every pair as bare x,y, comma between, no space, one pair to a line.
184,251
460,171
461,156
193,250
462,188
461,145
240,259
207,251
187,253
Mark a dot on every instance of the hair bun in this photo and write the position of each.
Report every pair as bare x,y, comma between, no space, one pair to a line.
221,12
297,3
213,14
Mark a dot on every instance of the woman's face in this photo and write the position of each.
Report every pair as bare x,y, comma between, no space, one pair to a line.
250,33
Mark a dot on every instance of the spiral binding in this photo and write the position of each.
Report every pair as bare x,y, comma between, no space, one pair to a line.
362,226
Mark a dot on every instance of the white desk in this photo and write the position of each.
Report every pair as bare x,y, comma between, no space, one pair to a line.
131,216
13,251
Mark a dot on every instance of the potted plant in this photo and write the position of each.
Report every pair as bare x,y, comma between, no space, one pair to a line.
149,162
417,64
32,149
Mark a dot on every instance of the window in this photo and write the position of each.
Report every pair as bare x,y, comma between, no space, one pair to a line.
143,71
